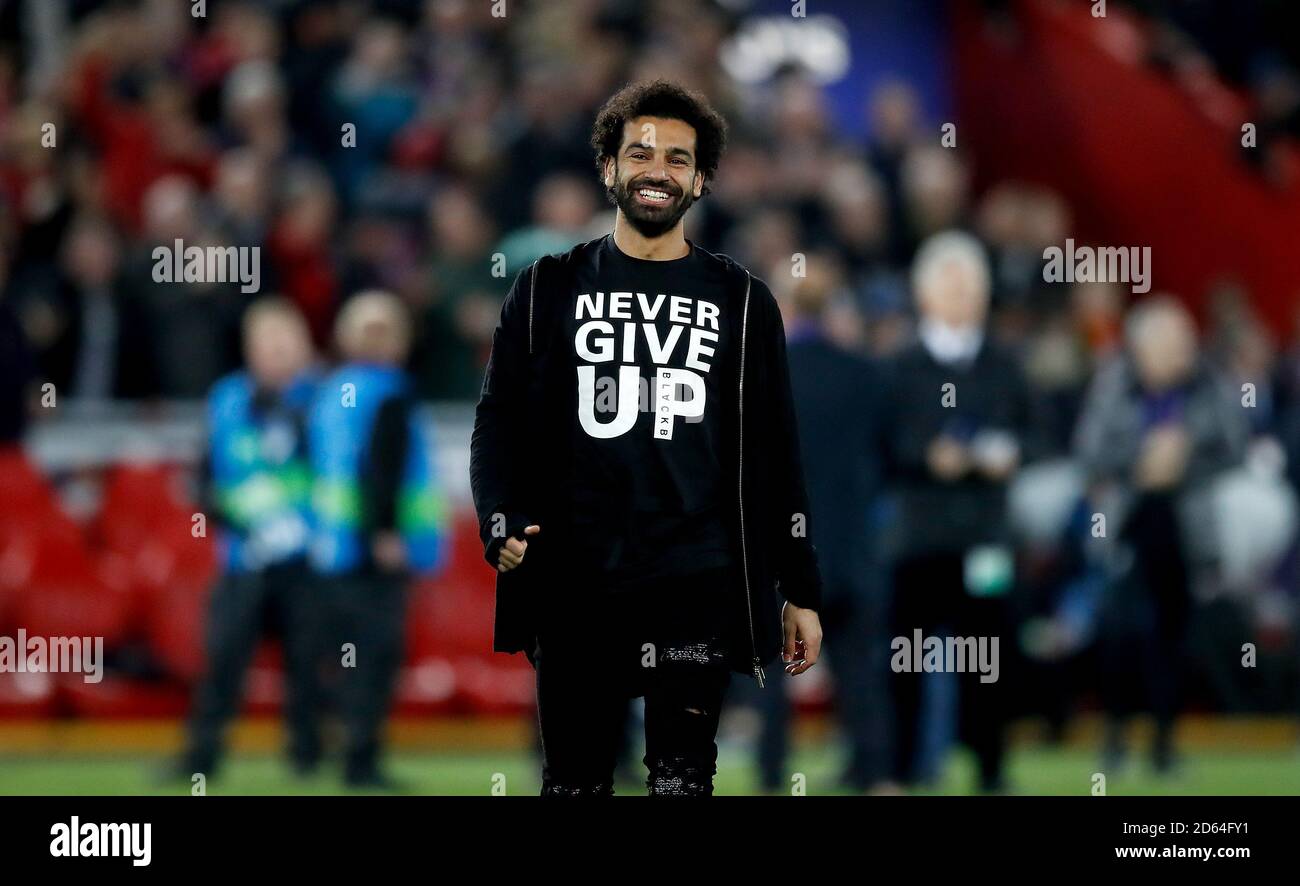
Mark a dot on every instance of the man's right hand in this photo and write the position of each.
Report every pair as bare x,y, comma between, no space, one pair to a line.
948,460
512,552
1163,459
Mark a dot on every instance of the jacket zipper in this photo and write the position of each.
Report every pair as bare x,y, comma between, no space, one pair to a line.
744,554
532,289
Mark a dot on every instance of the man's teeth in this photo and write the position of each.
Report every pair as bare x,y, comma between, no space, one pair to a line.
656,196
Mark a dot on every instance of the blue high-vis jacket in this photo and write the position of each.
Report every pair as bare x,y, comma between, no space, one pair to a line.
259,472
340,430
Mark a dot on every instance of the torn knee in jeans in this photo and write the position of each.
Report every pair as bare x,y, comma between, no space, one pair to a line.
680,777
561,789
692,653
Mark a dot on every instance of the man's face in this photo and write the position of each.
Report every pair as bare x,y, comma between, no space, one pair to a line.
654,177
277,350
381,342
955,297
1165,352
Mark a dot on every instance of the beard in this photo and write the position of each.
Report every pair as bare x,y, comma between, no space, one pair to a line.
651,221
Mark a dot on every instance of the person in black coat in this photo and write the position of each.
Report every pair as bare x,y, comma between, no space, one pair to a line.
837,400
957,416
17,374
624,526
96,337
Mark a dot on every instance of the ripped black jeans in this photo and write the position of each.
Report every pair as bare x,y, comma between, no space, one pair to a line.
597,650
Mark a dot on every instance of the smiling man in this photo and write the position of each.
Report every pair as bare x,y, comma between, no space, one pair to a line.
635,468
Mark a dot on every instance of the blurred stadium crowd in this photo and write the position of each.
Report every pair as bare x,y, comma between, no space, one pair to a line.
471,142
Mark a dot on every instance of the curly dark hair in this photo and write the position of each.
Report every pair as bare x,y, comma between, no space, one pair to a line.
661,98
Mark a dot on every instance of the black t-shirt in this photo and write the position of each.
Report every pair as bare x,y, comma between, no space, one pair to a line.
648,342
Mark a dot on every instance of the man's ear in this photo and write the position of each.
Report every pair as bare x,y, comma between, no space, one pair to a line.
699,184
609,172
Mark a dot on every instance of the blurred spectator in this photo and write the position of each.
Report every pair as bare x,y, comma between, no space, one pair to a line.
375,91
956,417
1062,356
258,492
563,210
17,373
378,515
192,327
1158,427
548,136
1288,389
461,302
935,185
93,339
837,403
301,248
34,188
768,240
241,197
894,112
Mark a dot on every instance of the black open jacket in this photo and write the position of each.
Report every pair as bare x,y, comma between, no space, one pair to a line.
521,465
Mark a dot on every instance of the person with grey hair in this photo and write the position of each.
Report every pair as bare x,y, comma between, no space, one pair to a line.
956,417
1157,427
379,516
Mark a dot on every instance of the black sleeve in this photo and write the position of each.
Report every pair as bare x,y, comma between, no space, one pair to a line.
1028,431
796,558
387,462
205,488
493,457
17,375
907,429
137,374
871,402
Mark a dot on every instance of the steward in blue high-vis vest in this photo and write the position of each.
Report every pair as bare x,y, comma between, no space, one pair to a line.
378,515
260,478
374,472
257,490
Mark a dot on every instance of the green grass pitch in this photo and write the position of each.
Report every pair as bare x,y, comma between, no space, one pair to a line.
1036,770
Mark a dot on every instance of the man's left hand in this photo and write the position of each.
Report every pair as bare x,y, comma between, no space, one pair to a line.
802,630
389,551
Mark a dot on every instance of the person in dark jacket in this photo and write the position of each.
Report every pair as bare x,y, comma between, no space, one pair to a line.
1160,425
837,396
956,420
635,468
98,341
18,375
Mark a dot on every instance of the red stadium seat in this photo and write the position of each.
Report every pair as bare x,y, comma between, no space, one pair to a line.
23,490
74,607
174,626
154,489
143,503
27,501
449,639
174,583
31,546
55,588
120,697
145,530
26,696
